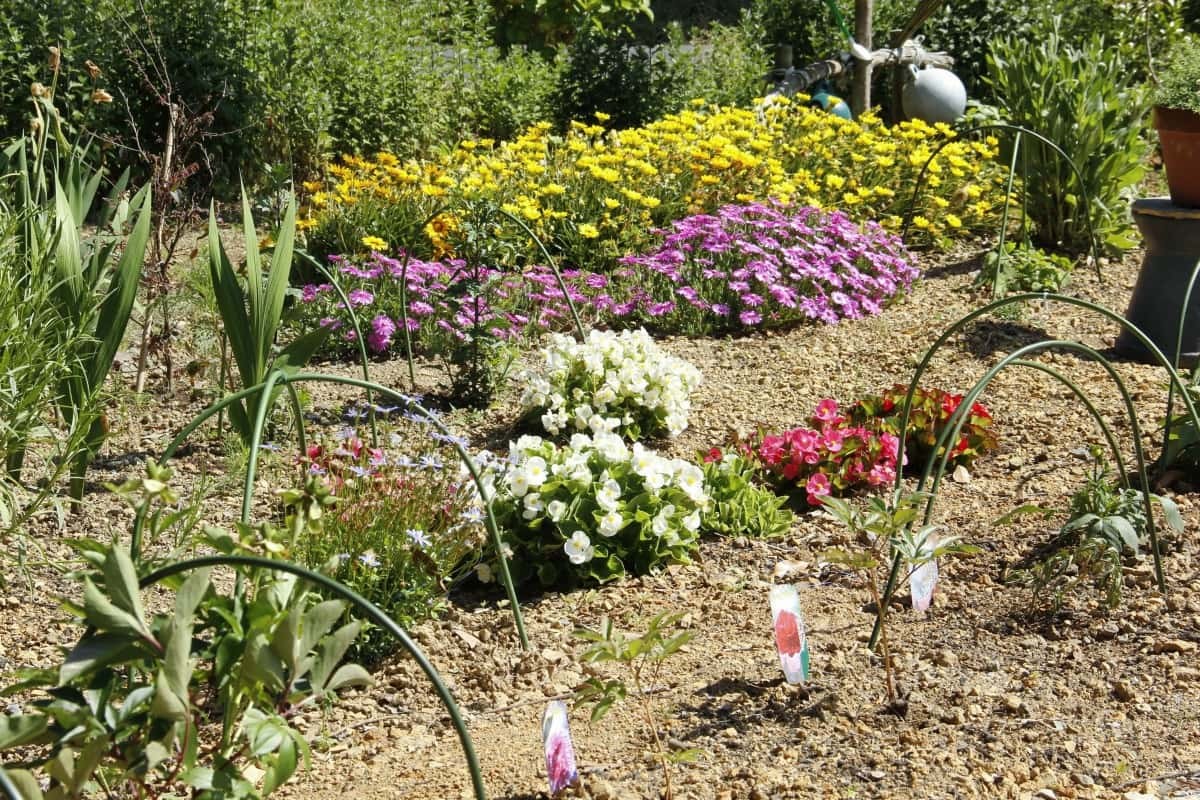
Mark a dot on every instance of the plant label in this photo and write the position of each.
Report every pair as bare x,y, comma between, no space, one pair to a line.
560,753
790,638
923,579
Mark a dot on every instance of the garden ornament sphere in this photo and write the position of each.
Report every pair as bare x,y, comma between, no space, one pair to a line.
934,95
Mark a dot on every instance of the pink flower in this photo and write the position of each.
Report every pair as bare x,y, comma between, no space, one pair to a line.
832,440
827,410
817,487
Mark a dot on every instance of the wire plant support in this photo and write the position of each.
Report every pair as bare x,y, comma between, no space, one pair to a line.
936,465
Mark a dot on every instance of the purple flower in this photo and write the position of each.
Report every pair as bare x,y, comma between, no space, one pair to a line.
382,330
360,297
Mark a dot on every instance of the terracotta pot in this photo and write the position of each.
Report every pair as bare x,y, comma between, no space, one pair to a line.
1179,133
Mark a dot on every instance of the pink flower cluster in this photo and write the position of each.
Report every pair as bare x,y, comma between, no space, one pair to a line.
833,456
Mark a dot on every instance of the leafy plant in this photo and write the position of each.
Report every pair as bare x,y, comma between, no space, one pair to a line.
928,418
55,190
402,531
833,456
737,506
126,710
595,509
251,317
1024,268
1081,98
643,657
1106,524
1179,79
884,529
621,382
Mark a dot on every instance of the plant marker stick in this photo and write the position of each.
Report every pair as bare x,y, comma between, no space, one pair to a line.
560,753
923,579
790,638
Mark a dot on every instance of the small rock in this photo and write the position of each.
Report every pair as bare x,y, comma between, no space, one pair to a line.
945,657
1046,794
1107,632
1173,646
876,774
1123,692
1014,705
1082,778
961,475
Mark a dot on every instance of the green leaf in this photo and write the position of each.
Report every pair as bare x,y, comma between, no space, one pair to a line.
282,768
96,651
1171,513
330,653
25,783
317,623
301,350
106,617
349,675
121,582
167,704
23,729
277,281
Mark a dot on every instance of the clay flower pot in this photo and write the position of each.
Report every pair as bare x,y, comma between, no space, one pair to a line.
1179,133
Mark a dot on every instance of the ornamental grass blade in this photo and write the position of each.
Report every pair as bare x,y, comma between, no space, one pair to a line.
277,282
68,263
254,293
122,292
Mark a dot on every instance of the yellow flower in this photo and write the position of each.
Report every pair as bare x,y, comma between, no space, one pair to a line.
920,222
953,221
588,231
602,117
374,243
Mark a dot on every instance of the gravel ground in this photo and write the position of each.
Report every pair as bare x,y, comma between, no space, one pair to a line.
1003,699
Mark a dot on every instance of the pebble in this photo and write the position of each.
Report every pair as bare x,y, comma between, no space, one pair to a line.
1123,691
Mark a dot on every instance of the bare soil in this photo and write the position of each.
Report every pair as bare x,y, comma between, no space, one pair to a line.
1004,698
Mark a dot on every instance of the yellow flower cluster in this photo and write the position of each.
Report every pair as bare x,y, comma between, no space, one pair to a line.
595,194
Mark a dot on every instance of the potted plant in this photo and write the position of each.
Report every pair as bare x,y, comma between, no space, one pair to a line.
1177,119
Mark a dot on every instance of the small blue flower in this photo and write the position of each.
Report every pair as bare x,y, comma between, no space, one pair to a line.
345,433
369,559
386,409
449,438
343,558
472,514
362,472
417,537
274,448
404,461
430,462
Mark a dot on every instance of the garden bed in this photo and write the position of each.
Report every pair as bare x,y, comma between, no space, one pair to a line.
1002,700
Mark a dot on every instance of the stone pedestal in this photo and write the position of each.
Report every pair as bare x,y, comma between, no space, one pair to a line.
1171,235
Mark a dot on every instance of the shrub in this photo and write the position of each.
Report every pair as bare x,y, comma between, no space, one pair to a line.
620,382
609,75
766,265
832,456
737,505
1179,80
1082,99
595,509
928,418
720,63
402,530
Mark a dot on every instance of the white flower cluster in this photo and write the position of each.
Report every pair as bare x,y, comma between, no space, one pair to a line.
598,494
613,382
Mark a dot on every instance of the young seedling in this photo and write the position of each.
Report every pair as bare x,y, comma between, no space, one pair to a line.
885,529
643,656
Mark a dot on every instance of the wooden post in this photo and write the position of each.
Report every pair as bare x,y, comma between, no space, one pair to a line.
860,94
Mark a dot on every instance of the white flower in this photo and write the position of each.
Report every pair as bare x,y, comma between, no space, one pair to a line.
484,573
556,509
533,505
692,521
609,495
535,471
662,520
611,523
690,478
579,548
518,482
